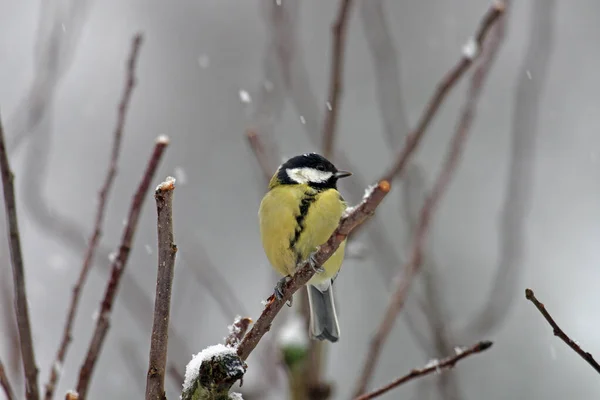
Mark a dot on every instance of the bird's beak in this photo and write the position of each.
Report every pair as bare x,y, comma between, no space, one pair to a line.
342,174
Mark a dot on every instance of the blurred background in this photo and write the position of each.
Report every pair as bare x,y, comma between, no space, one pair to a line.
522,211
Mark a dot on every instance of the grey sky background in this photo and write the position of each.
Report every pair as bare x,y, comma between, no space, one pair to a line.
525,200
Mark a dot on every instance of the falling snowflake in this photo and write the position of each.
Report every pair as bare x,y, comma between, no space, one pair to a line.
245,96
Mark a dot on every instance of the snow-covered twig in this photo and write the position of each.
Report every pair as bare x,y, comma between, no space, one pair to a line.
529,295
306,271
335,76
97,232
407,273
431,367
117,269
21,307
8,391
167,251
443,89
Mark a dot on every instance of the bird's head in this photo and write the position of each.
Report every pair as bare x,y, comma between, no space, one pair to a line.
308,169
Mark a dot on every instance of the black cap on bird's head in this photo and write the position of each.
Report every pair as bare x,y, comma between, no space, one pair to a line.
311,169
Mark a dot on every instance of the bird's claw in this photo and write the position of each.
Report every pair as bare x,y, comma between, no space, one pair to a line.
312,261
278,292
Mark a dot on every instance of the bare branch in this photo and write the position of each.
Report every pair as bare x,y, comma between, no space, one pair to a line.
434,367
117,268
257,146
237,331
533,77
8,391
11,331
431,304
406,275
58,32
304,272
97,233
387,71
20,296
529,295
336,75
167,251
443,88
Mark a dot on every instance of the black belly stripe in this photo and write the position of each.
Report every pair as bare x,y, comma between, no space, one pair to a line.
305,203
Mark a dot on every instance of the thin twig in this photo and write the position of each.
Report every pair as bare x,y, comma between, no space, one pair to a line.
97,233
117,268
167,251
262,157
443,89
386,68
11,331
20,296
431,304
529,295
237,330
313,385
406,275
4,382
434,367
304,272
518,193
335,76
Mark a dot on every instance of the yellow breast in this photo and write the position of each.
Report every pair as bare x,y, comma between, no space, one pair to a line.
294,221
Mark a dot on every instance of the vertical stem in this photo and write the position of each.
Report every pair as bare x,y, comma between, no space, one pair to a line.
167,251
21,308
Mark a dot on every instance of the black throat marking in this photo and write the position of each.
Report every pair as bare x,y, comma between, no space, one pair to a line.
308,199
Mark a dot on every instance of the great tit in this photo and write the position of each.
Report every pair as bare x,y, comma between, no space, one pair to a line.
300,211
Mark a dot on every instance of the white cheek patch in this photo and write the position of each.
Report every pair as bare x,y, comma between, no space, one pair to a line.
306,175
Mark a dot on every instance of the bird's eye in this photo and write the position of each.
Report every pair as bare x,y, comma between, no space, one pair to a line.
320,167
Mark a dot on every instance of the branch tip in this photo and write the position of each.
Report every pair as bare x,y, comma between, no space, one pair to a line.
167,185
560,333
486,344
500,5
385,186
163,139
72,395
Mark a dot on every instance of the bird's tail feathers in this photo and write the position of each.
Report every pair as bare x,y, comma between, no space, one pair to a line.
323,318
